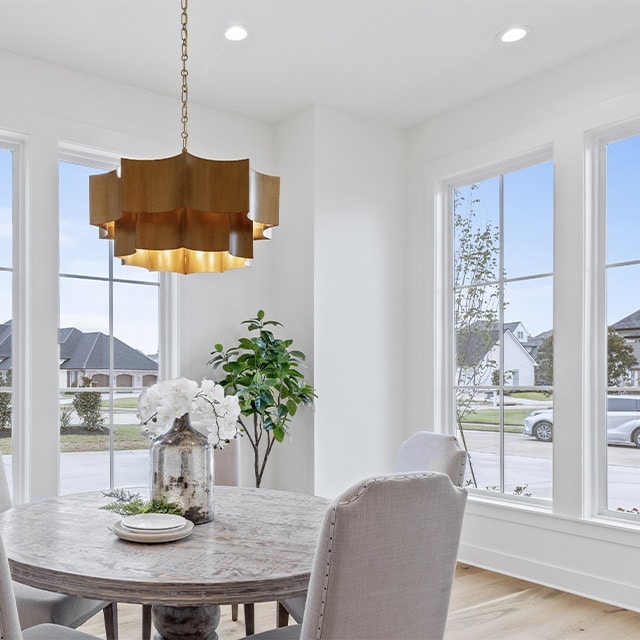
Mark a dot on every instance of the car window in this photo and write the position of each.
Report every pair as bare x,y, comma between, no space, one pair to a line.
621,404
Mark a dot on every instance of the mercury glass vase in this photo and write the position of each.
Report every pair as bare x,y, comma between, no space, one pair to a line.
181,470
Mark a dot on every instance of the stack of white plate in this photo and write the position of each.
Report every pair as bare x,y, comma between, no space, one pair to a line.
153,527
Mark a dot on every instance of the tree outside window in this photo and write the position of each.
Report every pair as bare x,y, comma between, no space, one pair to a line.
502,313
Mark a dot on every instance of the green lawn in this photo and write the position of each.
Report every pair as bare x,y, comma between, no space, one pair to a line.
532,395
122,403
488,419
126,437
492,416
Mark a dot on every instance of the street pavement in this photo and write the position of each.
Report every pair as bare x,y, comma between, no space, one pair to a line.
527,462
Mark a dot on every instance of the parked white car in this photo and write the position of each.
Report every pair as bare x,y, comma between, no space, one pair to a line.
623,421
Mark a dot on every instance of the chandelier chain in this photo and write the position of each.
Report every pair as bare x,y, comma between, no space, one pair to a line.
185,73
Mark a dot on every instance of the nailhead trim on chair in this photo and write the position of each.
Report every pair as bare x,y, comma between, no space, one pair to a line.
326,573
463,468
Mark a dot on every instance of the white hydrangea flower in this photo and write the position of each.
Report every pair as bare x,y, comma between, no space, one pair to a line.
212,412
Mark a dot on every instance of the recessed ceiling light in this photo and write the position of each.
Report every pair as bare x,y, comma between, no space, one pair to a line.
514,34
235,33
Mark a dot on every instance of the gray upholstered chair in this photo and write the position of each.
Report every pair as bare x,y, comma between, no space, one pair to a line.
226,469
427,451
423,451
10,623
37,606
385,561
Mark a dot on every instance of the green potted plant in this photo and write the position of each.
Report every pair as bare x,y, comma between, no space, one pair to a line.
264,372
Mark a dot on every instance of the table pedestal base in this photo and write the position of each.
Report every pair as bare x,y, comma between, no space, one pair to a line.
185,623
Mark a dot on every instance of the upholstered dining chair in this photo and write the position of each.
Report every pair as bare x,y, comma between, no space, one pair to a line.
37,606
10,623
226,469
385,561
428,451
423,451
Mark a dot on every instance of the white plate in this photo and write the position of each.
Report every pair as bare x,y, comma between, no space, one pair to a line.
153,537
153,521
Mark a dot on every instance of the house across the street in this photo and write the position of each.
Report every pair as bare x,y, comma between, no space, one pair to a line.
87,354
479,349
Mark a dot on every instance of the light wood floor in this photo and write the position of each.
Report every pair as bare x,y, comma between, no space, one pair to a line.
484,606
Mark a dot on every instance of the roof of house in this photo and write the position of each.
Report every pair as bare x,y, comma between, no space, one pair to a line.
5,346
80,350
630,322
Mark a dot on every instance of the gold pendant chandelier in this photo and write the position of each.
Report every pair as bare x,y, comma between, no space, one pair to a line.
184,214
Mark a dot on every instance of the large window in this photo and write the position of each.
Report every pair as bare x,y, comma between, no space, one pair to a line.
6,304
503,333
621,424
108,349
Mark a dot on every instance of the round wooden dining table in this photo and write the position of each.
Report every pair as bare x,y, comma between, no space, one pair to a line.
258,548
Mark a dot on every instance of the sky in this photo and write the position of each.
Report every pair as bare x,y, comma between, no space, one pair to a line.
527,240
623,228
84,304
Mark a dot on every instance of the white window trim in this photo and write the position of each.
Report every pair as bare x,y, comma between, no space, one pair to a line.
21,317
168,295
445,409
595,351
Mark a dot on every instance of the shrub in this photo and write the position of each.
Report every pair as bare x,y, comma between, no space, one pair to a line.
5,401
65,417
88,405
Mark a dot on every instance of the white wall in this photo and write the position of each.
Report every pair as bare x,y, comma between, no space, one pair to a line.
333,276
293,461
567,546
358,302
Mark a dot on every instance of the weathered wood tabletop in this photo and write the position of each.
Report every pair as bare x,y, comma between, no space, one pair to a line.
258,548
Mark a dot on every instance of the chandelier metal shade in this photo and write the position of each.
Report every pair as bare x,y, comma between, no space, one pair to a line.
184,214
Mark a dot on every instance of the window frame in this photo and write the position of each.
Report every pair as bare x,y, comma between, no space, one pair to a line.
445,410
20,314
168,289
596,141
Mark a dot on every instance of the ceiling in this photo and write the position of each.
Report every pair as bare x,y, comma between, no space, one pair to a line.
395,61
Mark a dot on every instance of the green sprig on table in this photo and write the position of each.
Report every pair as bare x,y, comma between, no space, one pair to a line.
127,503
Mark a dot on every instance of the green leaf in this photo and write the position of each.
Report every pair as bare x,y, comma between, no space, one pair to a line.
263,370
127,503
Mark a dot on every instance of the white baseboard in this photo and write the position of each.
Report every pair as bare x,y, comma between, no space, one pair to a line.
567,556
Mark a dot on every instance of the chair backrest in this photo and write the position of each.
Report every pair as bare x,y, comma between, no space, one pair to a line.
9,621
226,464
385,560
427,451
